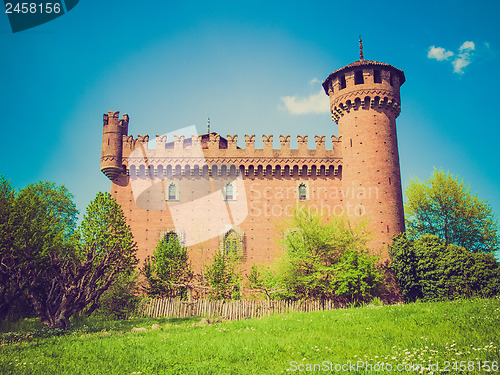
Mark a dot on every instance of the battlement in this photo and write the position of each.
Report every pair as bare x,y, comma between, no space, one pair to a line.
213,155
364,84
214,141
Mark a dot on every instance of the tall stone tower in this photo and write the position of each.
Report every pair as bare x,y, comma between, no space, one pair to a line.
364,102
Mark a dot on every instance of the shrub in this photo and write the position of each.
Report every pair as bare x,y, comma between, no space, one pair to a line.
429,269
121,300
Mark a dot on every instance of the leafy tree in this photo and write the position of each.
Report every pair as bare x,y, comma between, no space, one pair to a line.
429,269
61,271
168,273
263,280
357,277
105,253
443,206
222,276
38,227
324,260
8,291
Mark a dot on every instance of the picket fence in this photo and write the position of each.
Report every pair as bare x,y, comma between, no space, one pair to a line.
231,310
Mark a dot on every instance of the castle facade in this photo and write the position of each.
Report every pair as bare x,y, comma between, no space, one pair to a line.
213,194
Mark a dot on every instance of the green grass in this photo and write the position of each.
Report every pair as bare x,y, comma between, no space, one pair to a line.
397,334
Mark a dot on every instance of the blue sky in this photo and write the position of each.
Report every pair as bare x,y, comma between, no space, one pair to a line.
253,68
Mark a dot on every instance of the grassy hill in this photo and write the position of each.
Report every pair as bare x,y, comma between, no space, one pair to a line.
448,334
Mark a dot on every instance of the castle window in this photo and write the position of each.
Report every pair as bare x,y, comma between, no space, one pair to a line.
172,192
391,81
342,82
358,77
376,76
302,192
229,192
233,241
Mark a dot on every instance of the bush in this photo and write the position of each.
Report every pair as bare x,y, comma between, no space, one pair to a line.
429,269
356,276
121,300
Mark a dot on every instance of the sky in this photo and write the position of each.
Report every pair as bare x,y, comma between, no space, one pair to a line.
252,68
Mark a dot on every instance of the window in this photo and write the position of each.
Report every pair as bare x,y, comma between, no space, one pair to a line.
172,192
376,76
358,77
302,192
229,192
231,242
342,82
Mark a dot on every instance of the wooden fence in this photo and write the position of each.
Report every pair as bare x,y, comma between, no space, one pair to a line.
233,310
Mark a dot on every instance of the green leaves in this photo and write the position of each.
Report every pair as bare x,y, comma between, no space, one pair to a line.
327,258
60,270
222,276
429,269
445,207
168,272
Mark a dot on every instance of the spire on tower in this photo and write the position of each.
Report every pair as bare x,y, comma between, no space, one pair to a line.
208,126
361,57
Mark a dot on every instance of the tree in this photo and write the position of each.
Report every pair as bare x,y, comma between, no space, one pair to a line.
168,273
61,271
263,280
105,253
429,269
37,227
443,206
8,291
357,277
327,259
222,276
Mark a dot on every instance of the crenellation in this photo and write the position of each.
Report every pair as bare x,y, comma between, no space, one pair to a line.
250,142
232,142
302,143
267,141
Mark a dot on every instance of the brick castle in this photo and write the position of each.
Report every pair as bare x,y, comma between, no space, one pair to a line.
213,194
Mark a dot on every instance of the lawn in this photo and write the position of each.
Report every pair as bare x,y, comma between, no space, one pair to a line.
451,335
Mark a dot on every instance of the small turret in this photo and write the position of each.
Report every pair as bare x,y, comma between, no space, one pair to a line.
112,143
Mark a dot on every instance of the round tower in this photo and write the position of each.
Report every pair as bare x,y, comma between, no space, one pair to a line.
112,143
364,102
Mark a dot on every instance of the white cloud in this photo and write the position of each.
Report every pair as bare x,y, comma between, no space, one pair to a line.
467,46
315,103
439,53
459,64
464,57
461,60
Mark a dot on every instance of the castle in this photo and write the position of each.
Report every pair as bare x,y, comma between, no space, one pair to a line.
213,194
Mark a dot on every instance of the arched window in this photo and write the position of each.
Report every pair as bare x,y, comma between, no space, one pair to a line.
231,242
172,192
229,192
302,192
